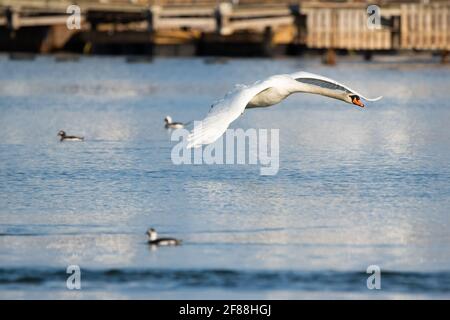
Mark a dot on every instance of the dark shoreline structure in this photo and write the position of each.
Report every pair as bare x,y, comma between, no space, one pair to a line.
228,28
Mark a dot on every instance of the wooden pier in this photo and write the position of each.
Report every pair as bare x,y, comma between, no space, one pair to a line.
205,25
425,27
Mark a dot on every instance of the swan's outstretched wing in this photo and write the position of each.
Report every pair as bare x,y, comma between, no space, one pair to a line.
324,82
222,113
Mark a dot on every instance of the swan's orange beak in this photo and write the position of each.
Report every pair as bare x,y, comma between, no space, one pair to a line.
357,101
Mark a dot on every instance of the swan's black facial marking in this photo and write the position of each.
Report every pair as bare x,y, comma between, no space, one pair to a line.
323,84
356,100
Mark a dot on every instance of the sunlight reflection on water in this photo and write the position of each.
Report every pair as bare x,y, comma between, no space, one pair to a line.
355,187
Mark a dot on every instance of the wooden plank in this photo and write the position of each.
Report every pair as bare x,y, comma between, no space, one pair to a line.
403,25
325,31
41,21
368,36
441,26
348,32
413,27
364,35
316,28
352,30
255,12
310,31
311,26
428,31
333,29
187,11
420,26
341,28
261,24
446,28
206,24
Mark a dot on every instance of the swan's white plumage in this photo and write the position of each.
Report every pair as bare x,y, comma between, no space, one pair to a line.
224,111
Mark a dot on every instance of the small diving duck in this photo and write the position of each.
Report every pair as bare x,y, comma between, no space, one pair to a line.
169,124
155,241
64,137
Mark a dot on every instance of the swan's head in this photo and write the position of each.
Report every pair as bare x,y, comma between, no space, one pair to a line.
168,120
61,133
354,99
152,234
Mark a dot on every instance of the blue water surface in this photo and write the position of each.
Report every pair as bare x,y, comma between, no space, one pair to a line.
355,187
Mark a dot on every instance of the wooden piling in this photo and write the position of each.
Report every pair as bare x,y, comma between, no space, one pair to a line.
267,49
223,16
445,56
152,15
330,57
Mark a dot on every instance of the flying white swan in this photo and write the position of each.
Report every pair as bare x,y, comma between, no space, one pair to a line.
264,94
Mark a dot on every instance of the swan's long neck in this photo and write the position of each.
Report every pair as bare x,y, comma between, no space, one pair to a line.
310,88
